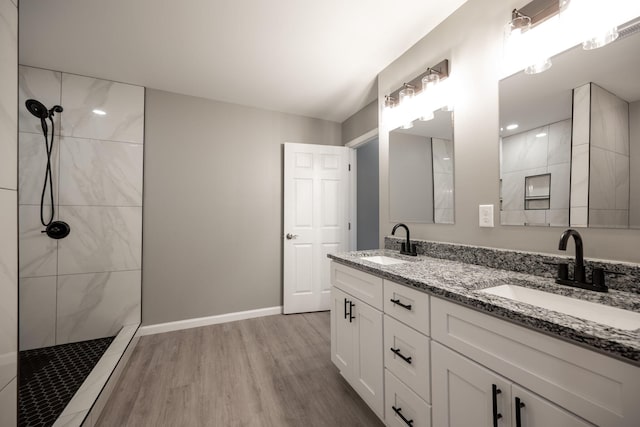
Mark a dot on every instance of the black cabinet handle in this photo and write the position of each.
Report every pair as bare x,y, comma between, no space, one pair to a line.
406,421
519,404
401,356
397,301
351,316
495,391
345,307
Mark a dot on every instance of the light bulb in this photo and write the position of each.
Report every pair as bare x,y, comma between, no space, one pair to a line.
430,80
594,21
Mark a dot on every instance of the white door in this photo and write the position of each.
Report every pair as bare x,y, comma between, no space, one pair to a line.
316,218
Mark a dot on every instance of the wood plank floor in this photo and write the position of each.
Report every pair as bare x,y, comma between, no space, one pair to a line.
270,371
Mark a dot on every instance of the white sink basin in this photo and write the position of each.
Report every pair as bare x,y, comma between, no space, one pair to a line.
383,260
599,313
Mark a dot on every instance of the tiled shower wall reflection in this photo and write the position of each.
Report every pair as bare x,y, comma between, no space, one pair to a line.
87,285
442,152
600,183
545,150
634,168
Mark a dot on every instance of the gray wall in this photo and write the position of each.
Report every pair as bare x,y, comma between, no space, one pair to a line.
213,204
634,167
360,123
8,211
474,48
367,209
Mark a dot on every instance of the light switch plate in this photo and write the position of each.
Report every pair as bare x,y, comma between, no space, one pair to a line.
486,215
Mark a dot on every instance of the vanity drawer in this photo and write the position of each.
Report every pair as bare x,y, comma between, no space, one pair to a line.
411,306
600,389
416,412
409,359
361,285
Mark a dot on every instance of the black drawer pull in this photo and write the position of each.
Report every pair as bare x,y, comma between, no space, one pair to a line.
401,356
519,405
406,421
345,308
397,301
351,316
495,391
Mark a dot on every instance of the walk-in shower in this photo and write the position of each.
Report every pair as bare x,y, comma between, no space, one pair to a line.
50,376
80,241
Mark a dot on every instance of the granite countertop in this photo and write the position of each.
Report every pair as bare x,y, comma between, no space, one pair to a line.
461,282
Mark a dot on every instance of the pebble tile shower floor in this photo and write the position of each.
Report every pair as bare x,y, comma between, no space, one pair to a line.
50,376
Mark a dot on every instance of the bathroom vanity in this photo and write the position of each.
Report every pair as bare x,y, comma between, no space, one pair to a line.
424,344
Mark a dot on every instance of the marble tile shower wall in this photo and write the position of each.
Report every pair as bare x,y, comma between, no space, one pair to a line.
609,160
634,165
87,285
8,214
527,154
580,157
600,159
442,153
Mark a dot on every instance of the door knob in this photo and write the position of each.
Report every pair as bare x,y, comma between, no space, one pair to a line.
291,236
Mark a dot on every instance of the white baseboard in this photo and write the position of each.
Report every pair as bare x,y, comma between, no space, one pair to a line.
209,320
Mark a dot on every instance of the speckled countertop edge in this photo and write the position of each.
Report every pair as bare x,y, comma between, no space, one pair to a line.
461,282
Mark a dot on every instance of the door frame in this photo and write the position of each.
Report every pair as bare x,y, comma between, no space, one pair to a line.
363,139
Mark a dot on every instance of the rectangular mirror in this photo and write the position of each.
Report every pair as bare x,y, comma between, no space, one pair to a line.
570,140
421,166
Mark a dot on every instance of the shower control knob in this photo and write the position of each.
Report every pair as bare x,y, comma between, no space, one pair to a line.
291,236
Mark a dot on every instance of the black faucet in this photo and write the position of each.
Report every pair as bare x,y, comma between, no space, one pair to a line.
579,274
405,248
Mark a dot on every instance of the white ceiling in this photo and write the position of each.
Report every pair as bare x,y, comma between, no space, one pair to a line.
317,58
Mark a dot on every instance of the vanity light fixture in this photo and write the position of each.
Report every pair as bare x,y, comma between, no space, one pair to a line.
99,112
525,45
543,28
419,98
512,126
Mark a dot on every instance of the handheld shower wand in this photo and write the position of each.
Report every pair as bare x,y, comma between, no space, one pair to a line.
54,229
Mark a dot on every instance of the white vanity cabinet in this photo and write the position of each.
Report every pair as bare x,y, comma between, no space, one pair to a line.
442,364
555,380
356,334
467,394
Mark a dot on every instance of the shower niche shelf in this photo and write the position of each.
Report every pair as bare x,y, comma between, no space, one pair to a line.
537,192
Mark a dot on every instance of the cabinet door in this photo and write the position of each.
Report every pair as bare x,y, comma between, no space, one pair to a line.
463,393
367,366
535,411
341,332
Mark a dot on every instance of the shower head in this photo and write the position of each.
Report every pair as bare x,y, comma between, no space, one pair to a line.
37,108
